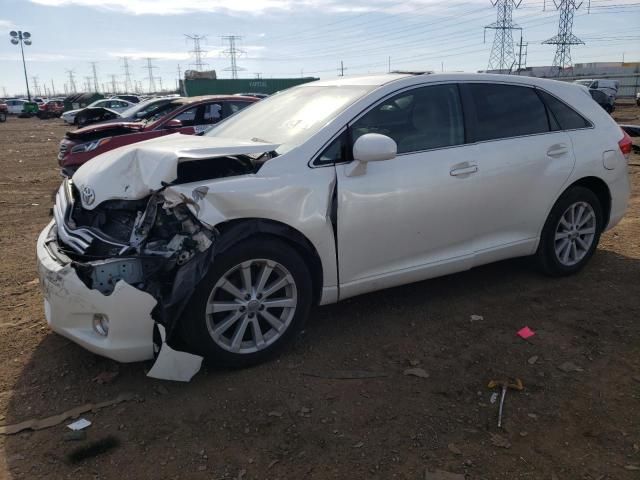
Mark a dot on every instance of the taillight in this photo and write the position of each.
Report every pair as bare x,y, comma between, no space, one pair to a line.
625,144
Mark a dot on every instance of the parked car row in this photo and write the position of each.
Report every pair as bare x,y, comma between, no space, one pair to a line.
219,244
191,115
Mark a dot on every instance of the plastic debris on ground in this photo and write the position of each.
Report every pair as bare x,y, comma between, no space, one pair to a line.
172,364
79,424
526,332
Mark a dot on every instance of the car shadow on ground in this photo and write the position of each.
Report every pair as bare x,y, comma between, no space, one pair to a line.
426,323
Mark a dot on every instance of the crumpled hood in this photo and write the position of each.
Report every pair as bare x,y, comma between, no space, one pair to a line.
134,171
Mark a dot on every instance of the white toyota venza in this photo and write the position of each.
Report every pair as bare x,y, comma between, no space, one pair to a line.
319,193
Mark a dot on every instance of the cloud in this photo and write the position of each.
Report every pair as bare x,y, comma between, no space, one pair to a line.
35,57
6,25
142,55
174,7
255,7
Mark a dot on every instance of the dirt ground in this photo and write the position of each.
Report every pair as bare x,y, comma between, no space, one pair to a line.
282,420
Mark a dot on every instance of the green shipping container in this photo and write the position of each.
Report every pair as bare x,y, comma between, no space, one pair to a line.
205,86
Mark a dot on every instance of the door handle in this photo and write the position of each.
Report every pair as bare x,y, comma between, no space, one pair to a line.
463,170
557,150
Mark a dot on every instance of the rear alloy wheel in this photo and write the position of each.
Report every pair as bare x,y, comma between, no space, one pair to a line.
575,233
571,233
254,299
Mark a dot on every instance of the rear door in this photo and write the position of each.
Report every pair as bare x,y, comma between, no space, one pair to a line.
522,162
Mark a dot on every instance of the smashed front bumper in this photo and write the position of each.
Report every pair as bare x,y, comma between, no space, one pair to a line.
71,308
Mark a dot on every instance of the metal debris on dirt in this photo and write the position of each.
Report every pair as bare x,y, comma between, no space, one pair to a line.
504,386
416,372
476,318
40,424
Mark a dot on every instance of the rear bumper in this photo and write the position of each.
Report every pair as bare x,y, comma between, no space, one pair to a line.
70,307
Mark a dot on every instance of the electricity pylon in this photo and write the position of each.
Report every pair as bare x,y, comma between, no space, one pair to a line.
503,56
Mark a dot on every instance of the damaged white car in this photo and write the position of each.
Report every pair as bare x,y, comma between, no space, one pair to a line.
320,193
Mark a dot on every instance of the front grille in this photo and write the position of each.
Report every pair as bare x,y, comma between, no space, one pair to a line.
78,238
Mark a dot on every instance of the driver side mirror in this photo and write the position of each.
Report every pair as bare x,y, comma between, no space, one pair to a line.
371,147
173,123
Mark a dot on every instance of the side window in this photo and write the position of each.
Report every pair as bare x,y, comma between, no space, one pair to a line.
212,113
188,117
229,108
503,111
563,116
421,119
336,152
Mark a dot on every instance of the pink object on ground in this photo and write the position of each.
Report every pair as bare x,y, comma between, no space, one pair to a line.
526,332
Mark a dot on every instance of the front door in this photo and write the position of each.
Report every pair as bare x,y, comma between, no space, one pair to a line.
411,217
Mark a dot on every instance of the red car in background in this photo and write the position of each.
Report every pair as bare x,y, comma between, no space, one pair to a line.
50,109
193,115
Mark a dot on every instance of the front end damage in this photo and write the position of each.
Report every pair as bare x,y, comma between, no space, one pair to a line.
145,250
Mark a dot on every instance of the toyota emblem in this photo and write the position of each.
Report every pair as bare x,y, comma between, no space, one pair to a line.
88,195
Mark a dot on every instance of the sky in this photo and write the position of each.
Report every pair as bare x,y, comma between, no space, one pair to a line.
289,38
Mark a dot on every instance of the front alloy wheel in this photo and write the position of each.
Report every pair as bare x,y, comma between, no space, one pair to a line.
252,301
251,306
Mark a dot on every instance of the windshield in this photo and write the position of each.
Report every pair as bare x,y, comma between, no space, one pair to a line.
290,118
142,109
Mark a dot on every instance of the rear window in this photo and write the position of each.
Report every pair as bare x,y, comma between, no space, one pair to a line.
503,111
565,117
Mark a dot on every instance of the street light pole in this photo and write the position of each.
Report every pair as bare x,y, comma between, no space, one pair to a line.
21,38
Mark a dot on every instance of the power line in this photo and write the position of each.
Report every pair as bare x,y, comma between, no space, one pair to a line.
565,37
197,51
95,76
150,67
128,84
72,82
502,56
36,87
233,52
114,84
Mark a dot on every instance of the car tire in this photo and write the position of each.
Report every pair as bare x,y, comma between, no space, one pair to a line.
3,117
216,334
566,245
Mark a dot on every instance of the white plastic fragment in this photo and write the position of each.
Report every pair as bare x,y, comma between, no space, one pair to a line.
79,424
172,364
